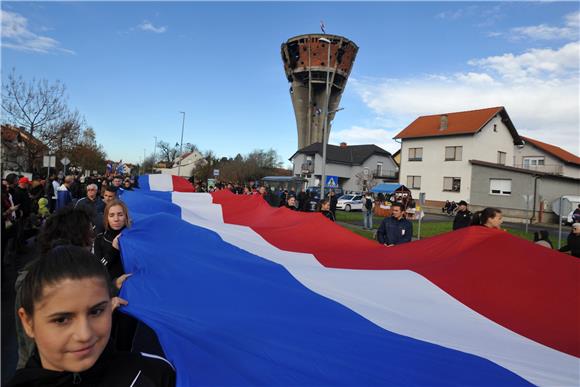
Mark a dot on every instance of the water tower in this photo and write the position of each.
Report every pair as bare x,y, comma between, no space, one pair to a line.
307,66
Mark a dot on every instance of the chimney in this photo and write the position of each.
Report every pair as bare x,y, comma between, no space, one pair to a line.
343,144
444,121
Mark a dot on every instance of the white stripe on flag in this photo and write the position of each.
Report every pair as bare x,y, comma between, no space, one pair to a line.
160,182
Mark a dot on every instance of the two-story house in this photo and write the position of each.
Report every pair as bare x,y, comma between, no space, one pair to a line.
436,149
478,156
352,164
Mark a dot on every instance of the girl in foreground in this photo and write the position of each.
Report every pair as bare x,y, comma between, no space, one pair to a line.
66,309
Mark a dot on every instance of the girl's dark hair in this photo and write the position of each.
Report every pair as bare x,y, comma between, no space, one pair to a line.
72,226
542,235
481,217
62,262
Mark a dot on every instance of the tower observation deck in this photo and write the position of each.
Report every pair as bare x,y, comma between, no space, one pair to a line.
306,65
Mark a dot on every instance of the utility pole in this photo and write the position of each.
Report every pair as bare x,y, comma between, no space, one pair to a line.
181,144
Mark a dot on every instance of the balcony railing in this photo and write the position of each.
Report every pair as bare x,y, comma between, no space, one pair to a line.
549,168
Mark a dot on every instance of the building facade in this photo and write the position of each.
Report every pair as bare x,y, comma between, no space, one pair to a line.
184,165
436,150
478,156
358,167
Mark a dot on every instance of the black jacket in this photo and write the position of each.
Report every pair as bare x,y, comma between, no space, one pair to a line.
462,219
394,231
329,215
109,256
573,245
111,369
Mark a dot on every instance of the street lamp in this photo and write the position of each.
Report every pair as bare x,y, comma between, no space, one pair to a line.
325,123
154,155
181,145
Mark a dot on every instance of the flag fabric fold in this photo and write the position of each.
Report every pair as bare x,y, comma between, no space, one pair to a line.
240,293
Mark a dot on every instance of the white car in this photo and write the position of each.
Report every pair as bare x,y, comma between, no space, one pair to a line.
350,202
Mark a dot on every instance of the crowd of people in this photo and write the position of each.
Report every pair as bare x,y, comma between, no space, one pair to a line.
68,327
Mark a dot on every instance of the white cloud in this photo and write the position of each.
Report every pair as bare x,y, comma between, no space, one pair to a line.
536,63
148,26
16,35
539,88
569,31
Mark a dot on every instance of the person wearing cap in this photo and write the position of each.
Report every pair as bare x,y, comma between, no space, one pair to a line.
22,197
573,245
462,217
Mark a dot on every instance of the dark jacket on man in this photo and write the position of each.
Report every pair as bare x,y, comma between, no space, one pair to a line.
573,245
394,231
462,219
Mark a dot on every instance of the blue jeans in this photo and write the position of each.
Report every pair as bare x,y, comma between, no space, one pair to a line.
368,219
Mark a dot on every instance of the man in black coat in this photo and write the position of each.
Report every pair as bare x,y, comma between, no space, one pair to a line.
395,229
462,217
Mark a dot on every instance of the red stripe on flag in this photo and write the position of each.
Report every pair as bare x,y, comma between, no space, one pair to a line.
181,184
529,289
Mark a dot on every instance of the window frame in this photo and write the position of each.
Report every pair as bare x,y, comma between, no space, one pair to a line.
501,191
379,170
499,156
455,148
453,179
415,157
413,179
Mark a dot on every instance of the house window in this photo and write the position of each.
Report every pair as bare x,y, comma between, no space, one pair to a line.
453,153
500,186
379,169
415,154
501,158
414,182
452,184
532,162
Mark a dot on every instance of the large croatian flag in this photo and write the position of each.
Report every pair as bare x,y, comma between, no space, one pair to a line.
243,294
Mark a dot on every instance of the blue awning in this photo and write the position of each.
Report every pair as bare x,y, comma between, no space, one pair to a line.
385,187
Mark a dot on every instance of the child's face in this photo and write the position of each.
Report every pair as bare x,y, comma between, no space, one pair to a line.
71,324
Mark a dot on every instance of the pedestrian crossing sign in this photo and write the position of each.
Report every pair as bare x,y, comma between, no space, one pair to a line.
331,181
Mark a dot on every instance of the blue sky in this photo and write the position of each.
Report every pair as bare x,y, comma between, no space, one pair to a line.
131,67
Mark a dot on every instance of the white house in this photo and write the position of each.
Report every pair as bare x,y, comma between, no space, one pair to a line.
479,157
185,165
436,150
352,164
539,156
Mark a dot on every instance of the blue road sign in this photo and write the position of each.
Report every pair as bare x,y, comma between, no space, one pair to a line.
331,182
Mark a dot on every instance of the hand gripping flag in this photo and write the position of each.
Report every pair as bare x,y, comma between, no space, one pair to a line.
243,294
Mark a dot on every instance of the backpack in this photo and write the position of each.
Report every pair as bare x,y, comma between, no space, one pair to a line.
368,204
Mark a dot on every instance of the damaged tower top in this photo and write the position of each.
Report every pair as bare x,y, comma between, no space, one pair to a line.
306,65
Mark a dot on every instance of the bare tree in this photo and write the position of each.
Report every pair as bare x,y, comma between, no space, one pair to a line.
35,104
168,153
365,180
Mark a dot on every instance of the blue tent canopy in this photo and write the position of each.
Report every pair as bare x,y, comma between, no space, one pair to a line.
385,187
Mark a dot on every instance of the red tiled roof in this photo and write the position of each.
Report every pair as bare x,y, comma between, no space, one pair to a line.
554,151
468,122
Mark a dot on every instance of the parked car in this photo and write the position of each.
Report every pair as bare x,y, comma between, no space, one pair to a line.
350,202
